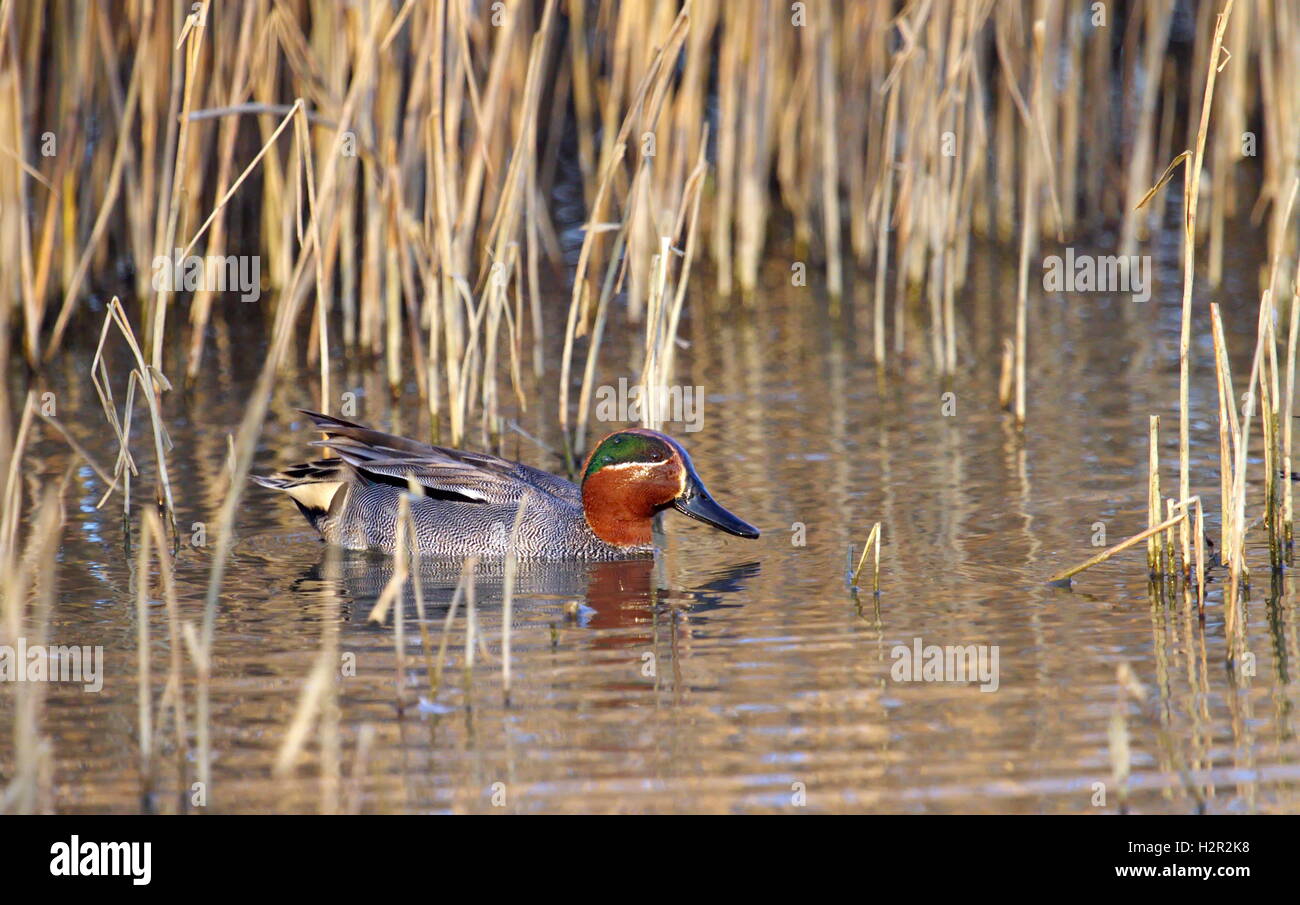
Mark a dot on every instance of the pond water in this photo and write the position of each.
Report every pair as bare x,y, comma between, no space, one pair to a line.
727,675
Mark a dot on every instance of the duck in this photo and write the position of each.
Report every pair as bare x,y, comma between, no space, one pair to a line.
465,504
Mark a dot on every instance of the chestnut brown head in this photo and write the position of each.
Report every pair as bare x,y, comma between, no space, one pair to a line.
633,474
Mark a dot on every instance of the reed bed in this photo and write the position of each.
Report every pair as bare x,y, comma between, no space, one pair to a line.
885,135
393,169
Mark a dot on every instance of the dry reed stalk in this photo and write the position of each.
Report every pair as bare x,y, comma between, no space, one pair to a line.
103,218
399,611
507,602
885,187
872,544
1187,505
1029,191
1288,413
1270,426
240,85
1236,544
1006,382
1157,23
471,636
1228,432
830,159
466,581
401,554
1153,495
1118,548
426,643
144,692
1171,565
146,377
1191,193
309,706
360,765
191,38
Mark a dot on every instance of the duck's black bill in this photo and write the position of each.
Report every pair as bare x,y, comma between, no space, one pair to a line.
697,503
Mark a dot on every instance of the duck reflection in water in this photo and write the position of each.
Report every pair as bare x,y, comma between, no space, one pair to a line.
598,595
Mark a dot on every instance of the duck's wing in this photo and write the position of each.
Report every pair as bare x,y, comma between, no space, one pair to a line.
448,473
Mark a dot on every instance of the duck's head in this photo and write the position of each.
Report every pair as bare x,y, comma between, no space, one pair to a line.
633,474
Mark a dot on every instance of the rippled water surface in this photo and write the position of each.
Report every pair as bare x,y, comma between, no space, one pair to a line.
727,675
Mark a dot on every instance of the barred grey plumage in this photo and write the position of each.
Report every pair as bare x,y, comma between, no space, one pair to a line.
466,507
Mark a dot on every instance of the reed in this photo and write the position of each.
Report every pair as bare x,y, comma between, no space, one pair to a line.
511,566
304,715
1288,413
144,691
462,586
1198,528
872,546
1153,496
150,380
1123,545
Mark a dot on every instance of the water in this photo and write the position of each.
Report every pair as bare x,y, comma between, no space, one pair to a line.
728,675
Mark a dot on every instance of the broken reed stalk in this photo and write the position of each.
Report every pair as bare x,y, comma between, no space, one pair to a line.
1228,432
150,380
873,544
1118,548
1191,195
1257,385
